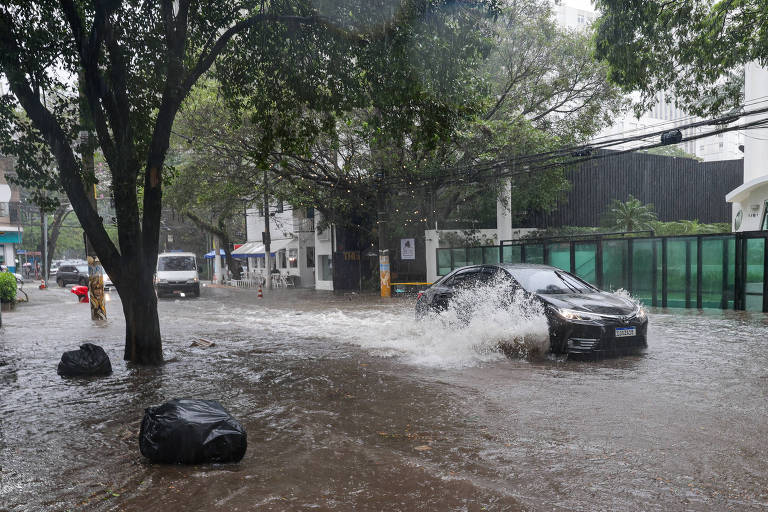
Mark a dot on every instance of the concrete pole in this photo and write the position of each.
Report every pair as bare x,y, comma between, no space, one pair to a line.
216,260
45,249
267,236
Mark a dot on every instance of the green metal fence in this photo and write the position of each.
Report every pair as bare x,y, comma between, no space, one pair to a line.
725,270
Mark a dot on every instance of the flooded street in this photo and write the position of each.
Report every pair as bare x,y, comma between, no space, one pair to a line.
351,405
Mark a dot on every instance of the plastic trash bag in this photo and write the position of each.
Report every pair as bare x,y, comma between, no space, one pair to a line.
89,360
191,431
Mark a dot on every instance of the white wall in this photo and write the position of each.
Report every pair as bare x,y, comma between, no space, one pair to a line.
751,200
323,247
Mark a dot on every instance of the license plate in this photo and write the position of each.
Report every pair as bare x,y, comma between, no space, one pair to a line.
622,332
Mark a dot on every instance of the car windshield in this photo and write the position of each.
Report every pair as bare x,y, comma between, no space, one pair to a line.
546,281
176,263
82,269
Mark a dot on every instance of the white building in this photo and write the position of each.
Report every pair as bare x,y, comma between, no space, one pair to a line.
578,15
750,200
10,233
292,246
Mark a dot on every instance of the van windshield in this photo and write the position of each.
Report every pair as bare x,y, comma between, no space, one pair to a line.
176,263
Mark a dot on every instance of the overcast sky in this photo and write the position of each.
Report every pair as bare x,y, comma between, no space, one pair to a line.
580,4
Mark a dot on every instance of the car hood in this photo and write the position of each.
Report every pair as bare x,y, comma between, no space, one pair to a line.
176,275
598,302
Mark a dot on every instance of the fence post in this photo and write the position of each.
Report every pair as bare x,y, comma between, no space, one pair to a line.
630,264
765,275
572,263
726,268
687,273
699,273
655,273
739,292
599,263
663,272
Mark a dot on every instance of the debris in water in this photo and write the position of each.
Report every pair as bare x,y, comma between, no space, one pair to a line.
202,342
423,448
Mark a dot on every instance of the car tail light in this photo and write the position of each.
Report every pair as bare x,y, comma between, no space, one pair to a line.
418,295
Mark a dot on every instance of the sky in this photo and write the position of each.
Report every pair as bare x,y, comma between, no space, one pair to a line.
580,4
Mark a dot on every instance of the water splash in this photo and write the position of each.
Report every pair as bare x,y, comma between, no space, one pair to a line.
481,324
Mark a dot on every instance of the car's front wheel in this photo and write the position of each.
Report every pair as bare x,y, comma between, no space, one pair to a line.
83,281
60,282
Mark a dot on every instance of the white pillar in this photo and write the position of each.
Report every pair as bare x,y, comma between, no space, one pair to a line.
755,139
216,260
504,212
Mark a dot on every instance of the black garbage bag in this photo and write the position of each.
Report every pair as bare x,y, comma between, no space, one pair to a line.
89,360
191,431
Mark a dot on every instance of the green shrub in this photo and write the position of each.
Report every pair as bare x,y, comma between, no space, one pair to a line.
7,287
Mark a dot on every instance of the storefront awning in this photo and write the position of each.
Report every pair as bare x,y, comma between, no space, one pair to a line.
256,249
740,193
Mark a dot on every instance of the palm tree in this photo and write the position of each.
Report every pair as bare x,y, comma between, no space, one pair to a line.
631,215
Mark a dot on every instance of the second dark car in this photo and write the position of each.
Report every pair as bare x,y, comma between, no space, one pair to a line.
72,274
582,318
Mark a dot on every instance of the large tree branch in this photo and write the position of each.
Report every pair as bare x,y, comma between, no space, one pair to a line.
56,138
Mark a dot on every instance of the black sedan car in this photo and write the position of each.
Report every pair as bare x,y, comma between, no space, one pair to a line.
582,319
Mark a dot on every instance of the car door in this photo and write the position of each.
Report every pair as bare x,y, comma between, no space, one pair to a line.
462,279
64,274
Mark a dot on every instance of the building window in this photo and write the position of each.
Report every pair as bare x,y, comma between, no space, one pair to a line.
580,19
5,210
325,268
281,259
279,207
310,257
293,258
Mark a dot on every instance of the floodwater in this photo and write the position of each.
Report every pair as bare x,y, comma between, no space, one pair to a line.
351,405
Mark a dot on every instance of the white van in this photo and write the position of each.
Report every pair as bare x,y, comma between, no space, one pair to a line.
177,274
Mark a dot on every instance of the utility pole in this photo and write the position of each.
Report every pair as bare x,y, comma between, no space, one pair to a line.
381,227
266,235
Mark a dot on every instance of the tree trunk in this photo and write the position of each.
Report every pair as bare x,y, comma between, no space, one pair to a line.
142,324
53,237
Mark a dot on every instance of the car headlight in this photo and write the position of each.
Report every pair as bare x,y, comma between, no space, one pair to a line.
641,313
572,314
192,281
162,281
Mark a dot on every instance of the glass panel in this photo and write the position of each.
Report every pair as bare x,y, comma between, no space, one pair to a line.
325,268
642,270
511,254
614,264
586,261
560,255
754,282
443,262
475,256
460,258
534,253
676,272
713,256
491,254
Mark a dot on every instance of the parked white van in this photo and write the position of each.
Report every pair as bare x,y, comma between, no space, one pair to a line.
176,274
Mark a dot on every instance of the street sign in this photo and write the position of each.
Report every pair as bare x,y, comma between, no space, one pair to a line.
407,248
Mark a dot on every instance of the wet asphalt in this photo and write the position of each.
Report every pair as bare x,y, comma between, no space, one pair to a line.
351,405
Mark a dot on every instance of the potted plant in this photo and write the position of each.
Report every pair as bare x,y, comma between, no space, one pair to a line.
7,291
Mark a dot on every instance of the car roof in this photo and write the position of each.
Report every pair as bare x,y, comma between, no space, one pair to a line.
515,266
166,254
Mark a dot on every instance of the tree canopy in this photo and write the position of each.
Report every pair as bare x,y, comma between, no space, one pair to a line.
694,50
